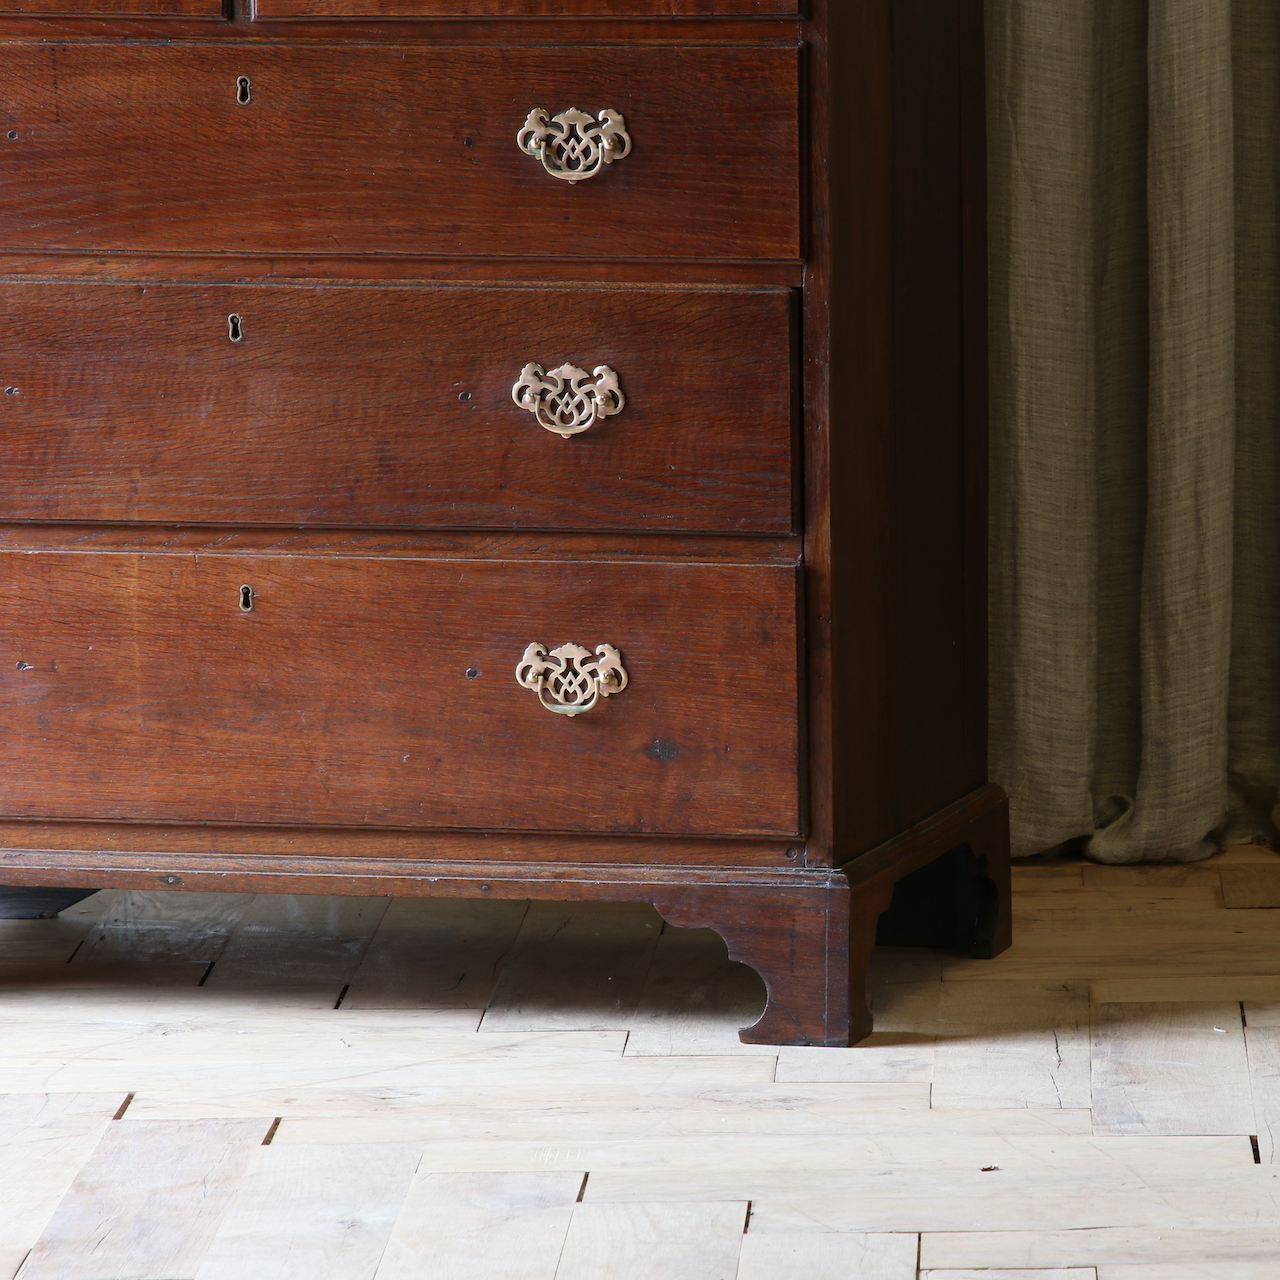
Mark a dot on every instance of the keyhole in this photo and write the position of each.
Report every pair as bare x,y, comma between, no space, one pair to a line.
235,328
246,599
244,90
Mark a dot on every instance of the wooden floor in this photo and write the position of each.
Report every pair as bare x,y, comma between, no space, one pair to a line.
202,1087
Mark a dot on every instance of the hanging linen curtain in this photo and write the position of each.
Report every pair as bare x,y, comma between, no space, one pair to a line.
1135,325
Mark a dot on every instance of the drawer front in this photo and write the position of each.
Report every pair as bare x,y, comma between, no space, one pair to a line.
210,9
394,407
524,8
409,150
384,693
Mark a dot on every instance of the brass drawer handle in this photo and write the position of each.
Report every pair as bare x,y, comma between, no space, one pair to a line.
570,680
567,400
572,146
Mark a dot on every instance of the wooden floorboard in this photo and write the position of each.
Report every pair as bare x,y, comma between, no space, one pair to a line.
147,1202
436,953
695,999
513,1091
575,965
1098,1246
814,1255
312,1213
485,1226
1166,1069
653,1241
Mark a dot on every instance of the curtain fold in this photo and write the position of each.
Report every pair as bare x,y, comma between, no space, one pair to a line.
1135,605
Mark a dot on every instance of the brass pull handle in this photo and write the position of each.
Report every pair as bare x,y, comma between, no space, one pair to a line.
568,400
570,680
572,146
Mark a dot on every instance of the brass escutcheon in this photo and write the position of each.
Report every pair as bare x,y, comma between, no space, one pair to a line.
570,680
572,146
568,400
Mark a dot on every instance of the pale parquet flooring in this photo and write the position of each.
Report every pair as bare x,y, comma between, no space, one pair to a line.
547,1092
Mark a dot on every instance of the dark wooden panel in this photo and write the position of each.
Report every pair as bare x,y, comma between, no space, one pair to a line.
409,149
117,8
933,529
529,32
850,495
227,268
399,544
973,180
383,693
392,407
525,8
270,847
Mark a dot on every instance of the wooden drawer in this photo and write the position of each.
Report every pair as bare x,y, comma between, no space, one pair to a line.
210,9
393,407
384,693
407,150
524,8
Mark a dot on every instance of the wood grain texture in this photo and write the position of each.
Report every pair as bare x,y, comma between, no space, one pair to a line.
876,1148
1167,875
888,1056
141,691
1261,1003
932,590
312,1213
393,407
695,998
409,150
44,1139
162,927
52,941
1253,991
302,941
1215,1270
1088,904
904,987
523,8
1168,1069
482,1226
653,1241
1116,1246
208,1053
284,846
1071,1273
578,1109
148,1201
1012,1045
1047,1198
1263,1048
601,1102
443,953
907,323
1159,944
400,544
544,984
207,9
382,150
815,1255
798,941
124,267
1251,886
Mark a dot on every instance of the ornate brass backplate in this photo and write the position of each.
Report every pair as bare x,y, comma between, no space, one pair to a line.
572,146
570,680
568,400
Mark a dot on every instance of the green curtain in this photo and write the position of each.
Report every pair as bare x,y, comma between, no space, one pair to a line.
1135,325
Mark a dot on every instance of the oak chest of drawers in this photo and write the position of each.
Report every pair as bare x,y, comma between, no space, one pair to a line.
514,448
